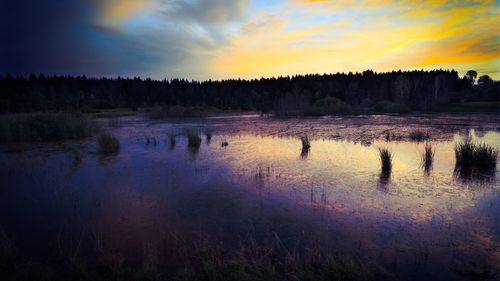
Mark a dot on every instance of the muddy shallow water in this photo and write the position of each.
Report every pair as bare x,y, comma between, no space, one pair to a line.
415,225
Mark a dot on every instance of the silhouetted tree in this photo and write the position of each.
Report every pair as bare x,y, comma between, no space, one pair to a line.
471,76
484,80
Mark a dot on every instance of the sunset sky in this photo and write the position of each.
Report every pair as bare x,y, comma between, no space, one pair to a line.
217,39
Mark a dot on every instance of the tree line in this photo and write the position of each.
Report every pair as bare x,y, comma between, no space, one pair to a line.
417,90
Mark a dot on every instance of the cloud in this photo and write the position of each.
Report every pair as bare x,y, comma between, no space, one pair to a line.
205,12
111,38
328,36
203,39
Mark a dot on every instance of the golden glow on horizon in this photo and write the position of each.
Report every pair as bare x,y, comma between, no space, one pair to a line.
410,35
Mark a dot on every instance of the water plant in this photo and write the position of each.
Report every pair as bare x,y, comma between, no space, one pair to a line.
194,140
108,143
474,159
77,154
428,158
386,162
419,136
306,143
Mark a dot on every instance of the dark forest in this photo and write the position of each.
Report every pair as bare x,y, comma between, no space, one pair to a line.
392,92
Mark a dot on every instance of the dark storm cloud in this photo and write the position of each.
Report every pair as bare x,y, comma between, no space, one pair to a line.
67,37
39,36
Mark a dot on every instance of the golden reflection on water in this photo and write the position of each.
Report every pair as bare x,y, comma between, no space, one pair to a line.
349,172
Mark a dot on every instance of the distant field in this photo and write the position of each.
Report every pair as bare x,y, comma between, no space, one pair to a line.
482,106
109,113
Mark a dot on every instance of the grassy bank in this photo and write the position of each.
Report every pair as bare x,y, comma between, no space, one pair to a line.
45,127
203,259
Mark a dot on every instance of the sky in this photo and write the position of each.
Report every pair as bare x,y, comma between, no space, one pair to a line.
220,39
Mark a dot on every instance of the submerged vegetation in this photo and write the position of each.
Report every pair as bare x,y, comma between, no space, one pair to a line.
419,136
45,127
108,143
475,159
428,158
386,162
194,139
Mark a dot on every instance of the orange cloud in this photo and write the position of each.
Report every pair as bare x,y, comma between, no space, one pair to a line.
380,35
120,10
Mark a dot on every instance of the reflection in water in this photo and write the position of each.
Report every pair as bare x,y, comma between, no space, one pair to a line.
255,187
428,158
193,151
108,159
304,153
470,175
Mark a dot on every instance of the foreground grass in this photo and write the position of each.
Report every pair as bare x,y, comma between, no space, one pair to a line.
45,127
204,259
108,143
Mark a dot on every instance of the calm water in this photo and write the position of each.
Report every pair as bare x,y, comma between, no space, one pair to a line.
416,225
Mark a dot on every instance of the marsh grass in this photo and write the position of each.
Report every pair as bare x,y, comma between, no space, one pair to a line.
77,154
392,137
45,127
306,143
419,136
178,258
386,162
108,143
475,159
428,158
194,140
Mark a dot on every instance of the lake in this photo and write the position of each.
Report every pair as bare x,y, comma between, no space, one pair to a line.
142,203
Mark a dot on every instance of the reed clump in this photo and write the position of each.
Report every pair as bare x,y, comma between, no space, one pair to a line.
194,140
386,162
428,157
471,158
108,143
